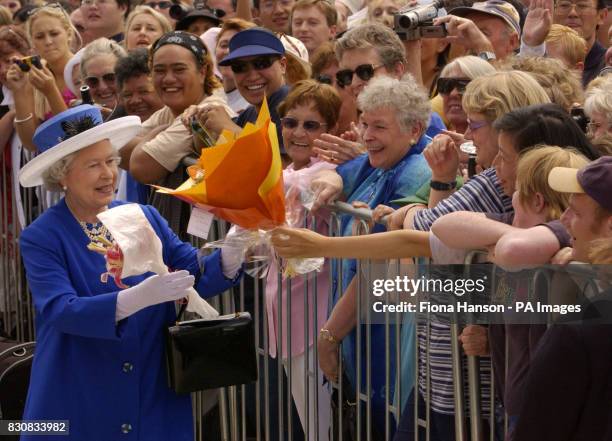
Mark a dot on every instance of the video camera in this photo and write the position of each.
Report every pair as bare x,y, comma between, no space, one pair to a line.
415,22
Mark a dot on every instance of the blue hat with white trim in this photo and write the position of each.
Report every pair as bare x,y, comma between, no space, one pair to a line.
73,130
253,42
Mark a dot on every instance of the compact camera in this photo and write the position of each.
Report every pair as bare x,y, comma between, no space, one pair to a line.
25,64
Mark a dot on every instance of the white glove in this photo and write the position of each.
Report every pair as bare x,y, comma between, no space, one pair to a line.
233,251
152,291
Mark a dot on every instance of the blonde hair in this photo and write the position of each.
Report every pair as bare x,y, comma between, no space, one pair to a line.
532,172
143,9
41,105
472,67
601,251
571,43
500,92
6,18
562,84
55,12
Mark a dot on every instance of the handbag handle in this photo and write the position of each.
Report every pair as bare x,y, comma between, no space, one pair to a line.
184,307
181,312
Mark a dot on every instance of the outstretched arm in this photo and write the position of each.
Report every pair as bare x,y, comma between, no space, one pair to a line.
299,242
469,230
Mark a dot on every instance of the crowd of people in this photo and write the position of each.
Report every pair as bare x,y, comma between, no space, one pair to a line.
496,136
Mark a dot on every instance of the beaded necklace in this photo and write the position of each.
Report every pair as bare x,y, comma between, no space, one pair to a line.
98,234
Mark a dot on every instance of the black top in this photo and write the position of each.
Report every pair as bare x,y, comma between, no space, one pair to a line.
250,113
593,63
569,386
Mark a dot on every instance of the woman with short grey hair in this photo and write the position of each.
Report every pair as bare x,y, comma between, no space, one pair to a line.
98,71
394,119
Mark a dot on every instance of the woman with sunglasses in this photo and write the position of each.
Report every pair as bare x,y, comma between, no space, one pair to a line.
451,84
310,109
98,71
163,7
143,26
39,88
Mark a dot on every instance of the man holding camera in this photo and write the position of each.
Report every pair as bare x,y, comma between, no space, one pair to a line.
488,29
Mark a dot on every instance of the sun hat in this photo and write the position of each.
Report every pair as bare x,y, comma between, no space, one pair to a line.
55,139
68,79
253,42
594,179
496,8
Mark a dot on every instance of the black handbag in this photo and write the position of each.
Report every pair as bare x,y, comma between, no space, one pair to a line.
211,353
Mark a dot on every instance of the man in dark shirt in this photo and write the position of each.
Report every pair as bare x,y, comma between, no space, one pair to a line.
584,16
569,384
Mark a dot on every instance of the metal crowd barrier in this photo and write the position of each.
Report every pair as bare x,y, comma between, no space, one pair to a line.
248,411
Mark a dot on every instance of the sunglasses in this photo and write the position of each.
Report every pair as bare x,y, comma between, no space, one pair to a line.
446,85
94,82
475,125
159,5
324,79
365,72
260,63
310,126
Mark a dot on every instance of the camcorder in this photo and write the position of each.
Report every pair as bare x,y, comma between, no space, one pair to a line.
415,22
25,64
178,11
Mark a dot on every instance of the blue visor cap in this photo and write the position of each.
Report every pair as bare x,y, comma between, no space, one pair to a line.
251,43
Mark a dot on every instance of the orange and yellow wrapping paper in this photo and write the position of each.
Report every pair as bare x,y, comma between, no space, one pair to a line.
240,178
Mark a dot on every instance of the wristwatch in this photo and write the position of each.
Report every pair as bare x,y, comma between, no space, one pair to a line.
487,55
325,334
443,186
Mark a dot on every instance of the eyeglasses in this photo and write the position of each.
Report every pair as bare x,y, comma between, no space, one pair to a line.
260,63
97,2
446,85
310,126
564,7
159,5
325,79
54,5
94,82
593,127
475,125
365,72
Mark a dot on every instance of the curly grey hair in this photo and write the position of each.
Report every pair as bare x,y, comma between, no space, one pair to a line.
57,171
388,45
407,98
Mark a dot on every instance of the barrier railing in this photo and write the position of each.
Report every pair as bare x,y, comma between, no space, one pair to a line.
265,410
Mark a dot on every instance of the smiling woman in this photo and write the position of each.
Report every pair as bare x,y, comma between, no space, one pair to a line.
98,71
87,323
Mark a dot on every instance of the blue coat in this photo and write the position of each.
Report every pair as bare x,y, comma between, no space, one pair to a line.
107,379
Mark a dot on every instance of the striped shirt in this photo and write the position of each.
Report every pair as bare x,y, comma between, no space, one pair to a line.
482,193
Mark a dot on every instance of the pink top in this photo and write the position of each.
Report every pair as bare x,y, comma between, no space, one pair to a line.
300,180
67,96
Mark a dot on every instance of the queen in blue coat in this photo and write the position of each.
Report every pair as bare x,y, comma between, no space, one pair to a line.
99,361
